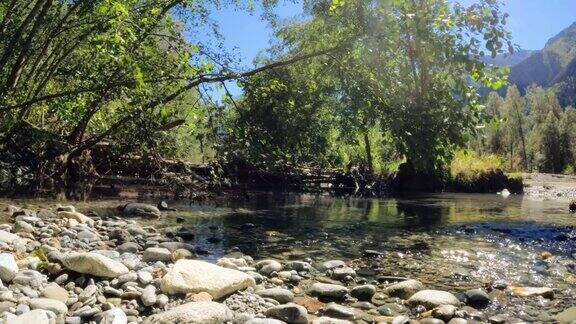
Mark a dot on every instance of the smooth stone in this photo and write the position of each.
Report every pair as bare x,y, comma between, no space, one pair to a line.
140,209
148,295
280,295
31,278
342,273
266,267
444,312
173,246
433,298
328,291
332,264
338,311
53,305
37,316
264,321
129,247
154,254
79,217
193,276
401,319
54,291
145,277
94,264
114,316
430,320
8,267
194,313
477,298
330,320
567,316
404,289
87,293
8,237
364,292
290,313
22,226
298,266
533,291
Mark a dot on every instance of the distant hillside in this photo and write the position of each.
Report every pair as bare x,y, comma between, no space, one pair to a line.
509,59
553,66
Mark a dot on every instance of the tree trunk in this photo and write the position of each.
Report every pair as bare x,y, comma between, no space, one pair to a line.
369,161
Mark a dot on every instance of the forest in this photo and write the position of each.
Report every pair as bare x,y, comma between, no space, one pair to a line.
372,84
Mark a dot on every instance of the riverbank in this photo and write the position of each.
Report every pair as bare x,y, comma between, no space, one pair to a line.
549,186
64,266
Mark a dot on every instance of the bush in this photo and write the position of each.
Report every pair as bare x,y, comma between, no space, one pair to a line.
471,172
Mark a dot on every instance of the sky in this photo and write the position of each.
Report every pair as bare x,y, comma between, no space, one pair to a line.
532,23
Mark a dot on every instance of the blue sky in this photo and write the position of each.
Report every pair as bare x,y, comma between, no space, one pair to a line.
532,23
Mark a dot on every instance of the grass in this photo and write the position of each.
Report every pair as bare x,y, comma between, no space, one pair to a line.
473,172
470,163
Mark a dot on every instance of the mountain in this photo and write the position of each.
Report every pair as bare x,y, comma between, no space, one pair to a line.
553,66
509,59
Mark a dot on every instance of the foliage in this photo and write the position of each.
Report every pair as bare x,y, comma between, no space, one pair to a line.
405,70
535,133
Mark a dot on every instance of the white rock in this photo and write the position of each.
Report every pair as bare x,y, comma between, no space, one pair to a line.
8,267
193,276
79,217
37,316
53,305
8,237
114,316
157,254
95,264
54,291
433,298
194,313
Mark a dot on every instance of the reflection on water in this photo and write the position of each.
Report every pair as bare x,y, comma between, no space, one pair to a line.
447,241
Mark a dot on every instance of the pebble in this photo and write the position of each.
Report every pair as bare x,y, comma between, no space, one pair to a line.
290,313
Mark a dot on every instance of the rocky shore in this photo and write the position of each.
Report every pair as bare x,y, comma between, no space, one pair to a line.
58,265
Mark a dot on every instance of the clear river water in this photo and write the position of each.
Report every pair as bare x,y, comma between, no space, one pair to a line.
448,241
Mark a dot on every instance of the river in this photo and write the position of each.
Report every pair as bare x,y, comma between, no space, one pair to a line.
449,242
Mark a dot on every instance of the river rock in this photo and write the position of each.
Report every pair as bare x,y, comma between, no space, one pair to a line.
8,237
140,210
298,266
477,298
154,254
290,313
342,273
533,291
54,291
404,289
433,298
280,295
8,267
79,217
338,311
266,267
194,313
53,305
114,316
265,321
328,265
328,291
193,276
37,316
330,320
444,312
94,264
364,292
148,295
567,316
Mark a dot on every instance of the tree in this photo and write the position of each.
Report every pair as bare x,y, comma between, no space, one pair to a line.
515,124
